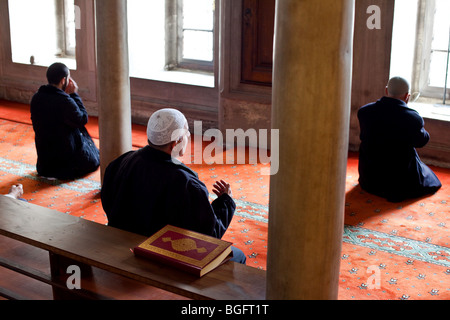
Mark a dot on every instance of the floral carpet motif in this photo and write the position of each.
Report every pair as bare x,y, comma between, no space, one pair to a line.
389,251
404,247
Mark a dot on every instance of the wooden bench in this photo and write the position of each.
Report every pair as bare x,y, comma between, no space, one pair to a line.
101,250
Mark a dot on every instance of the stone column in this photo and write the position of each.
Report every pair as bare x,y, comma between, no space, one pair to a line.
113,80
311,107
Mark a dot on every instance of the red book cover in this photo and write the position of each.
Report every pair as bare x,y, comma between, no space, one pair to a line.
187,250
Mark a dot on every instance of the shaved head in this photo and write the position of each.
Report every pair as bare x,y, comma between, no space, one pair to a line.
398,87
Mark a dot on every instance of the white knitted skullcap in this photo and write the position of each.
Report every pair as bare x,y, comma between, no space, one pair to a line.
165,126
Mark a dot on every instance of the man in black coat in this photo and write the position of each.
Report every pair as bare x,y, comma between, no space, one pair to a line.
64,148
389,165
145,190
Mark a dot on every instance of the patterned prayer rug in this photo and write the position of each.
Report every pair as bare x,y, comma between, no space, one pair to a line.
395,250
389,251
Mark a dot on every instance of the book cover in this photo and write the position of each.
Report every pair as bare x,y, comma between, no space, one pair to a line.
187,250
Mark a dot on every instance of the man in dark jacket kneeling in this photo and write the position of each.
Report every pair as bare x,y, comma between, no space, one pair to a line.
64,148
389,165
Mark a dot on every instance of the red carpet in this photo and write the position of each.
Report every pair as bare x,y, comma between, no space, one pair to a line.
408,244
405,246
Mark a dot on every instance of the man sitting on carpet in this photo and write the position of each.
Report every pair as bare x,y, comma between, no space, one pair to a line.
145,190
64,147
389,165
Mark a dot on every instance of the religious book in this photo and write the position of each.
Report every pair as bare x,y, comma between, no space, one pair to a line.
186,250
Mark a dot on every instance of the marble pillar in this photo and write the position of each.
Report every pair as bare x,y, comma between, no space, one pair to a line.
311,107
113,80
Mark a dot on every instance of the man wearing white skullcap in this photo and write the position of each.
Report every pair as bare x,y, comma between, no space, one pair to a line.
163,125
145,190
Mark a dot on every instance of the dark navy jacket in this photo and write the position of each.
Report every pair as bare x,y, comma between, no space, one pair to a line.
64,147
144,190
389,165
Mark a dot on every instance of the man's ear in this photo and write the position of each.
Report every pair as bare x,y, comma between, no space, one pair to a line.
407,97
64,83
173,144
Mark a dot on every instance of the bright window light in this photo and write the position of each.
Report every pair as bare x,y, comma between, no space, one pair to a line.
440,45
37,37
198,28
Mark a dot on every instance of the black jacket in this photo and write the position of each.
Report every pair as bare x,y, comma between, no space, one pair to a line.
144,190
64,148
389,165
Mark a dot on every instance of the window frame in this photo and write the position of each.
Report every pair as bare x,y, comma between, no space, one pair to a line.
63,50
68,50
174,42
63,30
424,38
25,77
